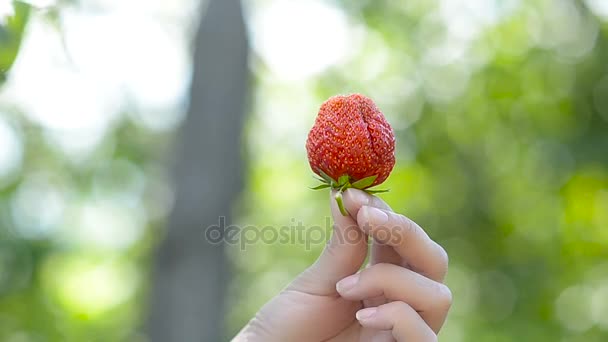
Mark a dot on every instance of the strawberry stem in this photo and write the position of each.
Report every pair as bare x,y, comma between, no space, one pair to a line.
340,203
343,183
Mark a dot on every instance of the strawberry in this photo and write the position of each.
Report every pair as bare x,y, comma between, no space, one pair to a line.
351,145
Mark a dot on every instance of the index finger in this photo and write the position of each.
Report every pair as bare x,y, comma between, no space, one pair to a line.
354,199
411,242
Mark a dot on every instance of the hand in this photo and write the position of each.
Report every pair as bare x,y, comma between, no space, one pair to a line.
399,296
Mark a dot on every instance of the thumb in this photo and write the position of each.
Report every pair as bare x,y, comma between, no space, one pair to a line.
344,253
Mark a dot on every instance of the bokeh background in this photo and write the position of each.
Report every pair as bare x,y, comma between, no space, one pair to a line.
129,126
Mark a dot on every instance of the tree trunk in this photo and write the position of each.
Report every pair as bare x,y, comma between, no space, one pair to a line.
190,275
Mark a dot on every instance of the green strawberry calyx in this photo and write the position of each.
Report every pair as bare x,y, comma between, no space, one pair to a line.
343,183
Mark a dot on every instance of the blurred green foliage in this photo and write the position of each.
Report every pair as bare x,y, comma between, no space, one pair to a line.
502,130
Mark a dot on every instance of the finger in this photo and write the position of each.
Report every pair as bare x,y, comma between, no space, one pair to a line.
343,255
431,299
380,252
357,198
411,242
401,319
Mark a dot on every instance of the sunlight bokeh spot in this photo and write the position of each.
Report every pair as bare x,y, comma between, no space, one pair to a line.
11,149
498,295
95,43
107,224
599,7
37,207
51,92
84,286
6,10
298,39
465,283
120,179
573,308
599,305
42,4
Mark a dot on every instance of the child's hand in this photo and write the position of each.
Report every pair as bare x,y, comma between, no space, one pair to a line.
398,296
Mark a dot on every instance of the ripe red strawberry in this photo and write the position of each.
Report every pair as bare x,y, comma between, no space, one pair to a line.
351,144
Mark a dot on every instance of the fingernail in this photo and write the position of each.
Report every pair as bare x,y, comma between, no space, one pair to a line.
358,196
347,283
375,216
366,313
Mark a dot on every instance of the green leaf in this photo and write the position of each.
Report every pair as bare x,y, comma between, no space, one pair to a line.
11,32
344,179
320,186
377,191
326,177
320,180
364,182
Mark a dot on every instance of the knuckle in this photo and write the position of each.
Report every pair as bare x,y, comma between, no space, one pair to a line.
405,223
383,267
374,278
399,308
443,299
443,256
379,203
382,234
378,274
442,260
410,225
